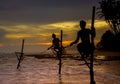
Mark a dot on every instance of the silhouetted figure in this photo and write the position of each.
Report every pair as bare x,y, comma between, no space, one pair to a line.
85,47
55,45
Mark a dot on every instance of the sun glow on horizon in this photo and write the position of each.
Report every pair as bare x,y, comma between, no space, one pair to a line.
50,43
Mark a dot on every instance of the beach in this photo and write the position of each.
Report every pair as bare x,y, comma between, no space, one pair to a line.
45,71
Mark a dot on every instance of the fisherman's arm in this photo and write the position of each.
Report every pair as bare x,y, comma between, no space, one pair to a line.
76,40
49,47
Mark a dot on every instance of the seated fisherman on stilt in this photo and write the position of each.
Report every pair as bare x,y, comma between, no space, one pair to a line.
55,47
85,47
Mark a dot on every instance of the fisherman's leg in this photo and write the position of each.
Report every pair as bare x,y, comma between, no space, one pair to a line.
79,48
57,53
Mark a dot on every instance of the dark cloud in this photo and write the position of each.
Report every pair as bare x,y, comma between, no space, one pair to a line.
43,11
45,3
2,34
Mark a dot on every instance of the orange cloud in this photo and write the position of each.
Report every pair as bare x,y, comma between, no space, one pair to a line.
18,36
98,24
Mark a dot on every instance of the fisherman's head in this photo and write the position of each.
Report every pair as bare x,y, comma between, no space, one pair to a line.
82,24
53,35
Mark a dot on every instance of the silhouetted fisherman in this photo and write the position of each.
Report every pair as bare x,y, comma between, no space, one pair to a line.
55,45
85,47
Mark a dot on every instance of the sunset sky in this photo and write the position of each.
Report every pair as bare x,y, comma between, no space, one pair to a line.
36,20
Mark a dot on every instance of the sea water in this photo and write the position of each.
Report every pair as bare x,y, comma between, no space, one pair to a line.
45,71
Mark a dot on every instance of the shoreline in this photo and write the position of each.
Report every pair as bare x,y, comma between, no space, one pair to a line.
98,54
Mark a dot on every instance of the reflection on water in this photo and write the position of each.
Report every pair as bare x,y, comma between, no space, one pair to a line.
45,71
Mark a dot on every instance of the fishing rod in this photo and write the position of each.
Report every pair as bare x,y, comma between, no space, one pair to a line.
66,46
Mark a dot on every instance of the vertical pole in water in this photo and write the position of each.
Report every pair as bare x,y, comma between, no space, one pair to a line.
60,55
21,54
92,56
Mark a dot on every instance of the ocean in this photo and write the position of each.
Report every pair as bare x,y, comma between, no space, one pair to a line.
45,71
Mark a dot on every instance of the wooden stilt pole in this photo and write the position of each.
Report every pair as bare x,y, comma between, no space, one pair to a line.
19,61
92,56
60,55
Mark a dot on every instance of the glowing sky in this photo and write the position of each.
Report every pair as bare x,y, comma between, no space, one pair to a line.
36,20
